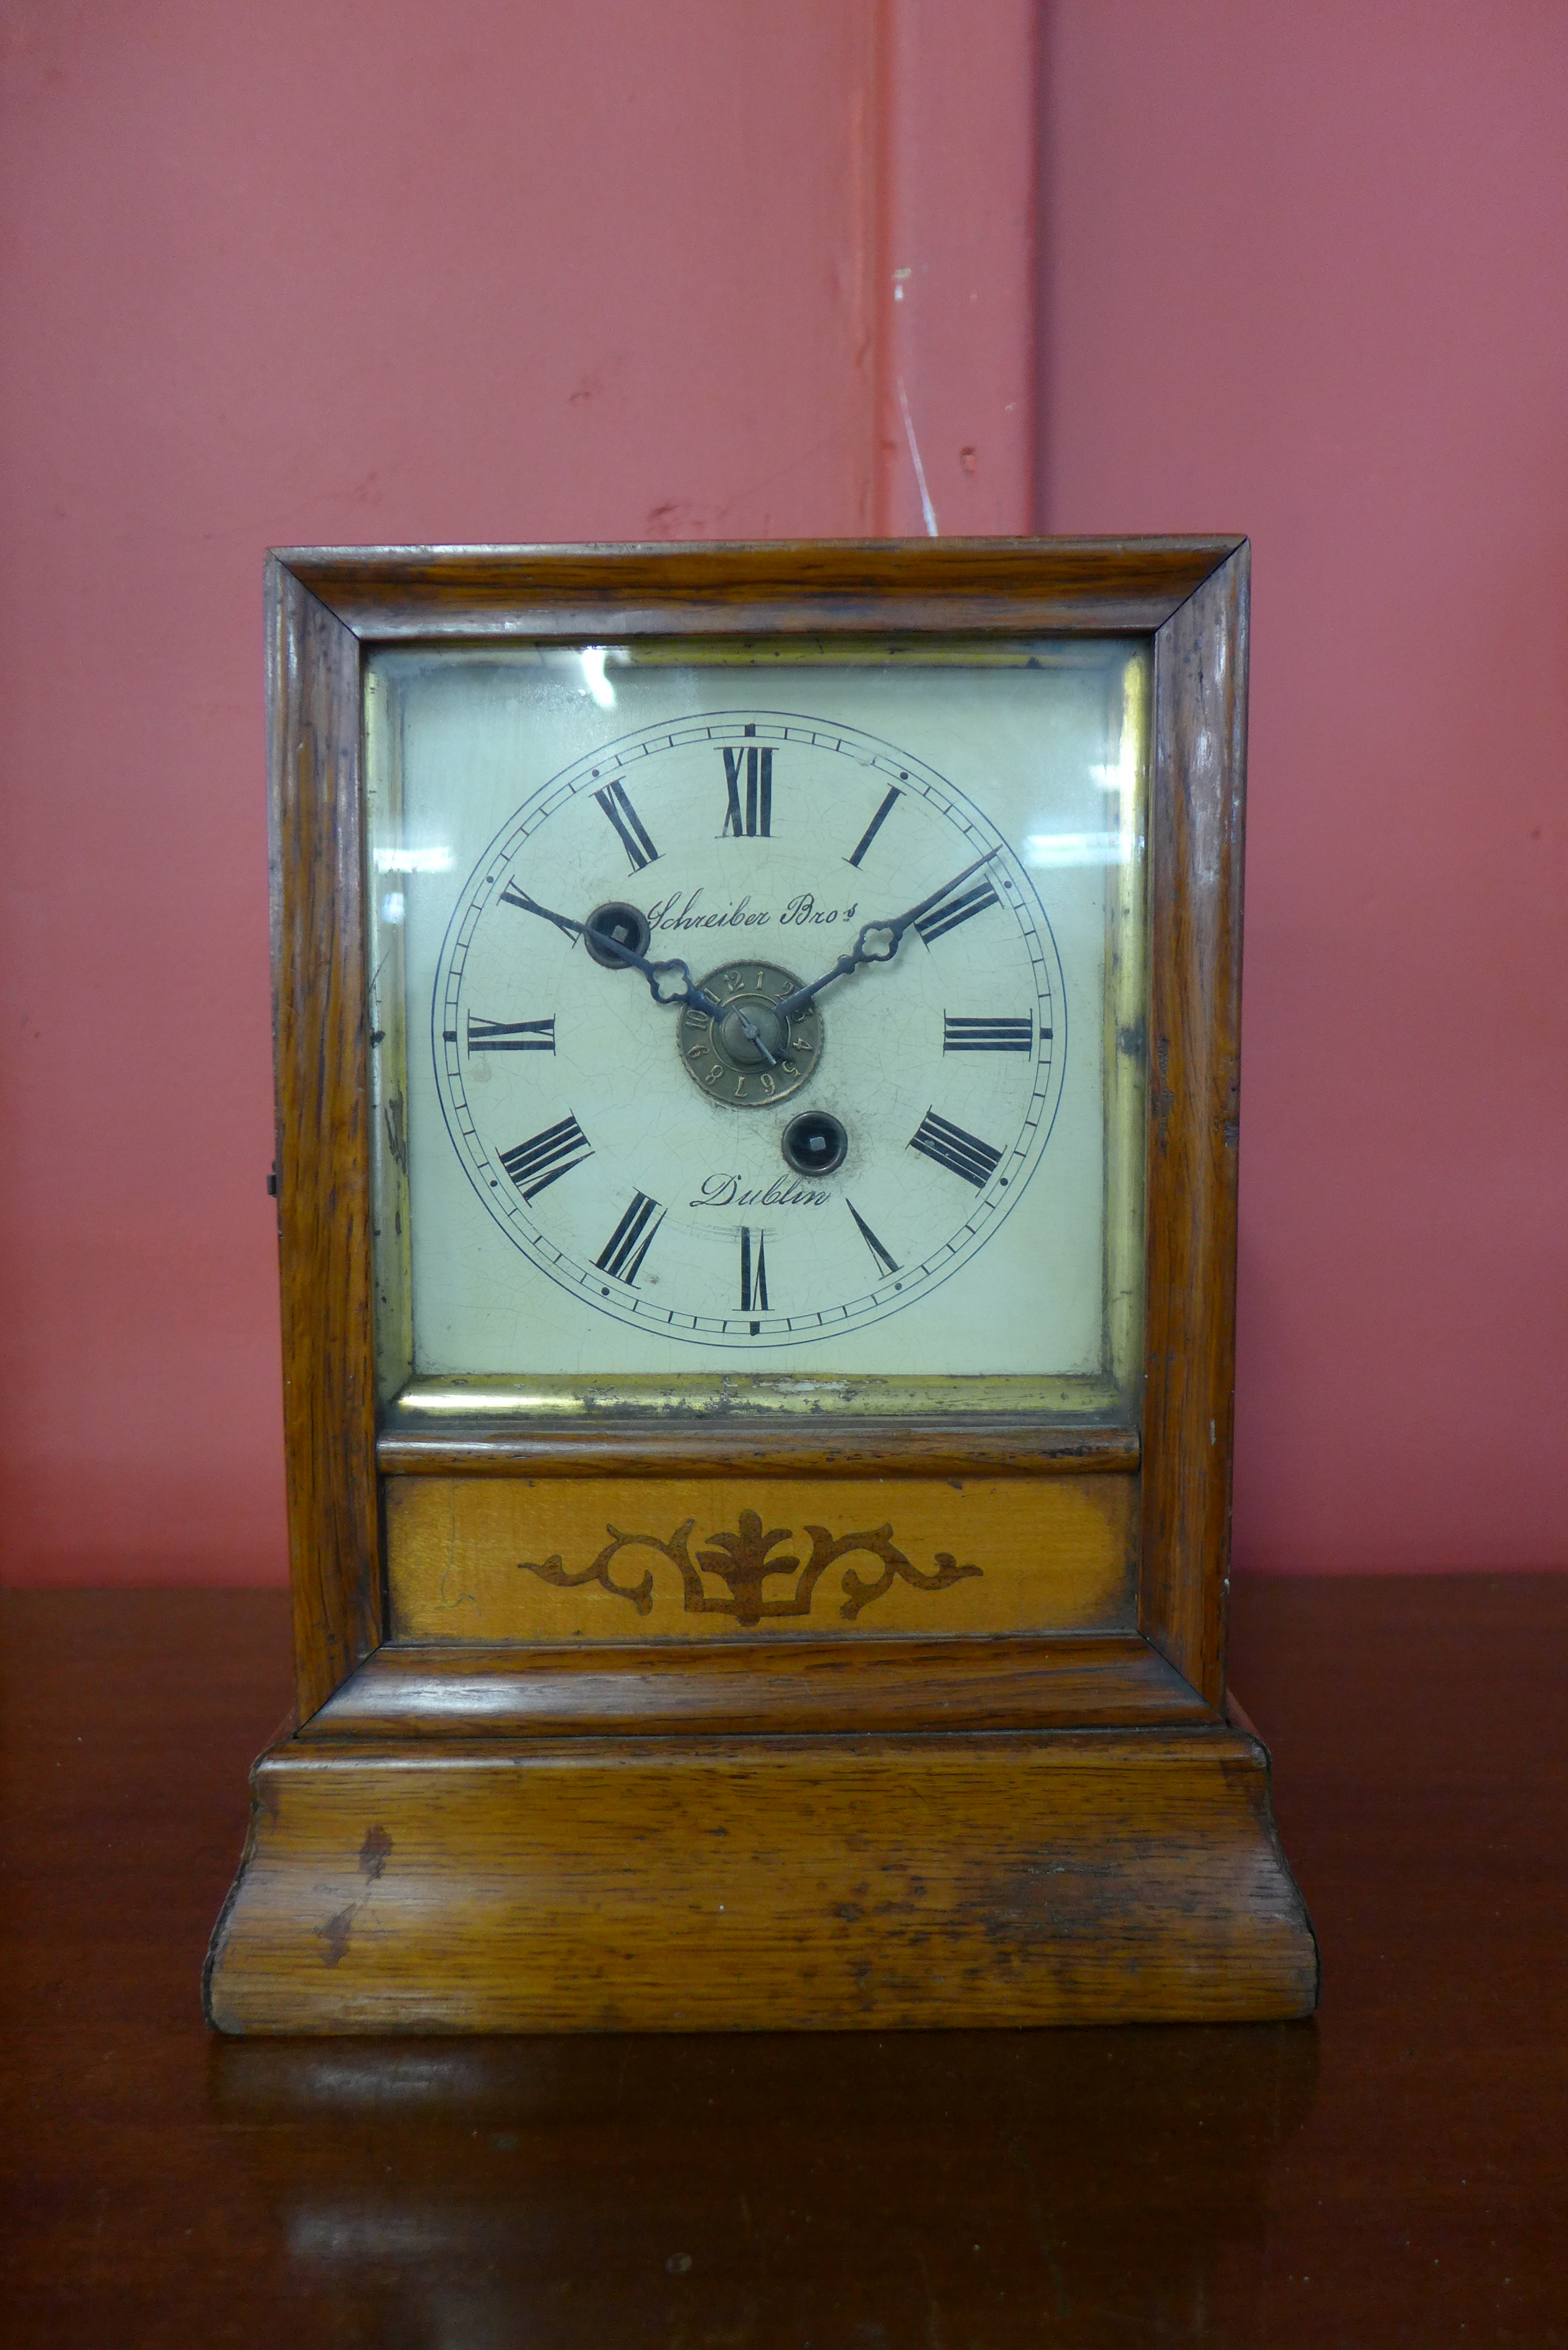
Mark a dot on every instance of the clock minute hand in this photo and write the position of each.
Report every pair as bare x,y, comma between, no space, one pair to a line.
685,991
892,932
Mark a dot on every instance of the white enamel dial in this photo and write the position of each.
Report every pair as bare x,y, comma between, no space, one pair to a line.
634,1150
887,1122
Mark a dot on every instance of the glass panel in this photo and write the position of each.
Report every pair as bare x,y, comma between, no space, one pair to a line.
757,1023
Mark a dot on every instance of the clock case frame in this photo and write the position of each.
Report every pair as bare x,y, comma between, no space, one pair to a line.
758,1833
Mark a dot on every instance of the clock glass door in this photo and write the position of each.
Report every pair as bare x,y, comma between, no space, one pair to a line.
759,1016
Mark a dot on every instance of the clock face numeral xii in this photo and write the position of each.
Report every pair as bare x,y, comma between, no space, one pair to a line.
755,820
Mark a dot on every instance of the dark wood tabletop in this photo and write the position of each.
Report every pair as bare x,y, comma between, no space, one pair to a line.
1393,2173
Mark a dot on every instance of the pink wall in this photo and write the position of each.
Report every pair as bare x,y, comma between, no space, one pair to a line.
1304,277
348,270
339,270
326,270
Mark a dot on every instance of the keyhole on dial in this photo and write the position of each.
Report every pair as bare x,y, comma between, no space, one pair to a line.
621,923
814,1143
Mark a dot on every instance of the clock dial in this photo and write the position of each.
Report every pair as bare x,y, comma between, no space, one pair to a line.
756,1023
862,940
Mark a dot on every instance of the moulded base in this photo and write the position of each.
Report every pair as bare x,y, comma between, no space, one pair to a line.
761,1884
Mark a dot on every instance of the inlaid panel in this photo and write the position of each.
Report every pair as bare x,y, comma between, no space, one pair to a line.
619,1559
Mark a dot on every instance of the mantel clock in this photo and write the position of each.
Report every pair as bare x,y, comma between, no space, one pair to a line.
756,1165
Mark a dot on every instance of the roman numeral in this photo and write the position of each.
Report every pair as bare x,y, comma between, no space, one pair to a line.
880,1256
507,1035
753,1289
757,820
634,837
623,1252
948,917
545,1158
951,1147
989,1035
513,895
874,827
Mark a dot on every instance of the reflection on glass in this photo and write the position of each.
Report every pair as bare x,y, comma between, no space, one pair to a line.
437,860
593,658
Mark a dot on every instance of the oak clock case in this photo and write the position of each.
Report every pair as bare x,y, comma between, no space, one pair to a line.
758,1333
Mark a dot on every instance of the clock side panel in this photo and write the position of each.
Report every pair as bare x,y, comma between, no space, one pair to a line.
1197,814
323,1146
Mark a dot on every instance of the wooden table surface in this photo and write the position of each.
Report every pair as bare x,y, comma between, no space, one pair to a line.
1391,2174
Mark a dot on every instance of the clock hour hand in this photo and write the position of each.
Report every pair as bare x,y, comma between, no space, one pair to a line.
668,983
878,942
672,982
684,989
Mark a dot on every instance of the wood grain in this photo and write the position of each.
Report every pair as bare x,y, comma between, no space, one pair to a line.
323,1143
1389,2173
505,1689
1195,1017
402,1877
758,1885
1086,587
515,1559
1188,589
765,1445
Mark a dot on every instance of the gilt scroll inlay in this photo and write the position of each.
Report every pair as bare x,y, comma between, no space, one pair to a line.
745,1561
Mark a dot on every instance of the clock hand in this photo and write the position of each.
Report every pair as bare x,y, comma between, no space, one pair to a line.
685,990
862,951
754,1036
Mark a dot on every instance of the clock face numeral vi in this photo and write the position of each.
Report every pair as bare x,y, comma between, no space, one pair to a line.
755,821
545,1158
507,1035
633,831
753,1277
937,1138
622,1254
989,1035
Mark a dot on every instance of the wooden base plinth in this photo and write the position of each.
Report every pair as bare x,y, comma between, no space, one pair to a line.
761,1884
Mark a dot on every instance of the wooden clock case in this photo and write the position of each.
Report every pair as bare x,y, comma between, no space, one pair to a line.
757,1832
